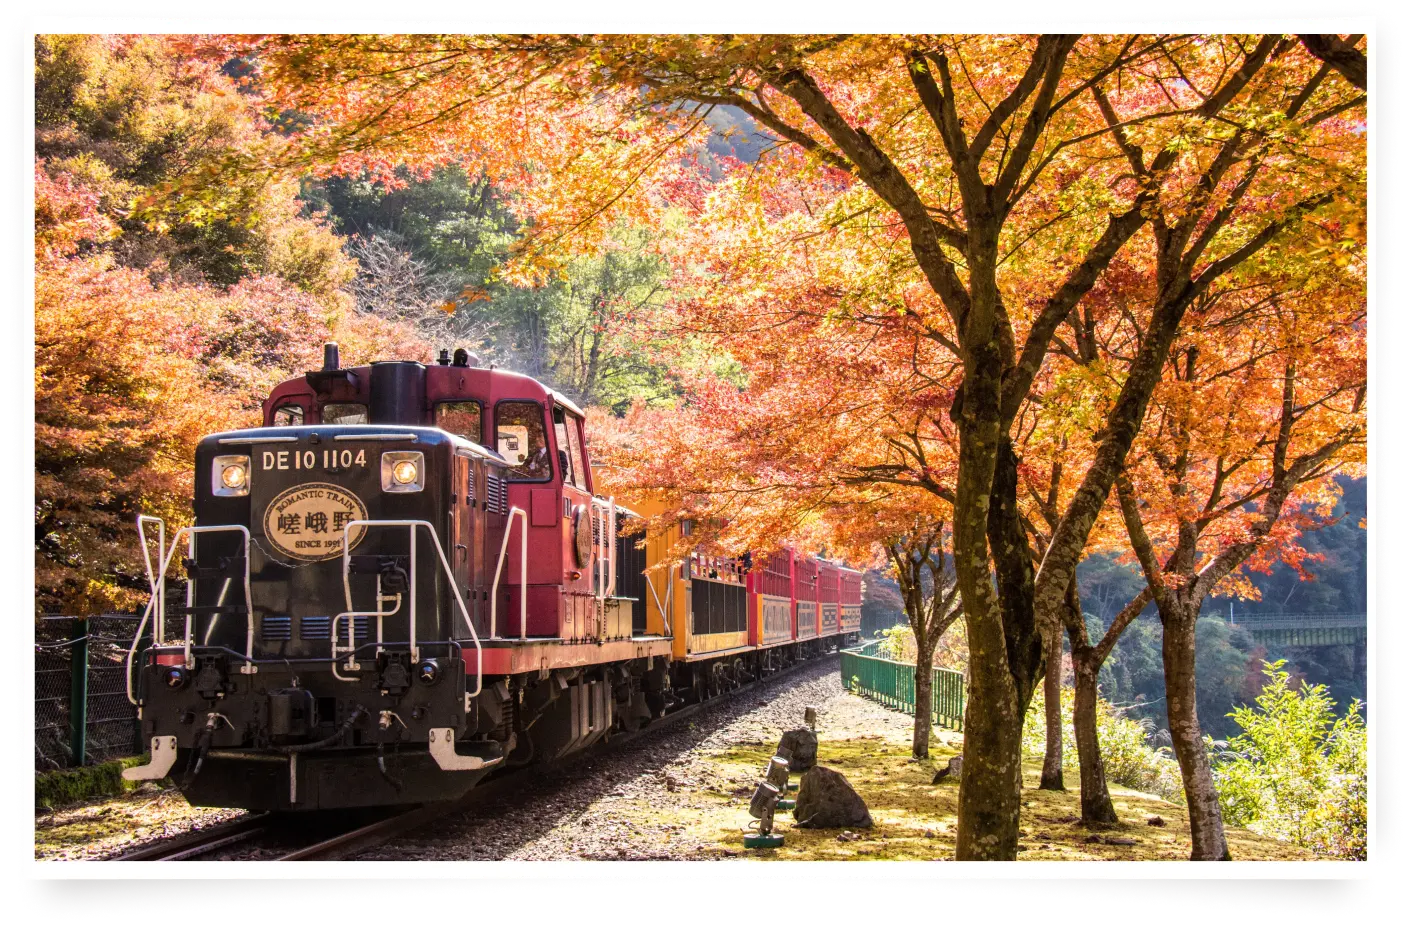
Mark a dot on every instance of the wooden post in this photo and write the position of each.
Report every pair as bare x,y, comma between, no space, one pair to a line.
78,693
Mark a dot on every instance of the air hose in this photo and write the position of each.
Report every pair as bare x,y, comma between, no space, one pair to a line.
347,724
381,765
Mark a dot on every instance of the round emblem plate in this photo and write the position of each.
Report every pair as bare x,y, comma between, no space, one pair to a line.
307,521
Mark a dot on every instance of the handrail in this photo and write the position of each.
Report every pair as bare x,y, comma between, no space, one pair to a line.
151,583
606,562
412,524
379,614
160,557
514,512
158,586
893,684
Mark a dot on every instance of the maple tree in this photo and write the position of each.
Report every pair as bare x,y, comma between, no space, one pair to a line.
158,320
1245,438
954,199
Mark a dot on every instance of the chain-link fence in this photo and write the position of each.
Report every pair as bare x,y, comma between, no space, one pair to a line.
83,661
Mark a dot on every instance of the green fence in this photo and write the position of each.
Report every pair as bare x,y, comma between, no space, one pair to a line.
892,684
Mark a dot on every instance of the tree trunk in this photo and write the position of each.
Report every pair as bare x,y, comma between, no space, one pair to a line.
923,700
1180,681
1095,804
1051,778
990,791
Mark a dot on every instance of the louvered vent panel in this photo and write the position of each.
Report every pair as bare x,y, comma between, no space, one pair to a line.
496,493
276,629
315,628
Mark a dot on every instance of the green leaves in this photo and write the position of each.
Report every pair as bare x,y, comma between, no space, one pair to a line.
1297,771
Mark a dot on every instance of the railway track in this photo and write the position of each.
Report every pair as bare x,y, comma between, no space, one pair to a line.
350,841
196,843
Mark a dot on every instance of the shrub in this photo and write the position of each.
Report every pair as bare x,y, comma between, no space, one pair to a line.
1296,772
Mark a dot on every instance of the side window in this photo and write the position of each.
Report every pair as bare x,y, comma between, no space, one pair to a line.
288,416
559,429
519,437
568,448
579,459
344,413
462,418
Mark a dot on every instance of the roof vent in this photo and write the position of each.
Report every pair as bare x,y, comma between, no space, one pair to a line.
331,361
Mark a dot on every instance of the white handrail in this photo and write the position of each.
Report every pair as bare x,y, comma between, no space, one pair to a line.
159,586
514,512
606,559
611,576
132,650
379,614
160,557
151,583
449,573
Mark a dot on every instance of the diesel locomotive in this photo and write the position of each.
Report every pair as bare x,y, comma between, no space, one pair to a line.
406,580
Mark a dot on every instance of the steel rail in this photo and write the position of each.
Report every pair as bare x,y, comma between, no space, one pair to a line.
194,843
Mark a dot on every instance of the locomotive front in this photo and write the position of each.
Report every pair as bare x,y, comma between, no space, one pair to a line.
322,650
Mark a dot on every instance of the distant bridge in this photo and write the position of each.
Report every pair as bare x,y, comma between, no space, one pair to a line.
1306,629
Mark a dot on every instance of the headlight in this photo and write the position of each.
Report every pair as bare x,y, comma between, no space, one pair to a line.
402,471
230,476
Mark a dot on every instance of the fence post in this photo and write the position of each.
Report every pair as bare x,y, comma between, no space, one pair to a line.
78,693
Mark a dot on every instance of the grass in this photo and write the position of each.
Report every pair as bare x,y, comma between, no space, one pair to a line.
916,820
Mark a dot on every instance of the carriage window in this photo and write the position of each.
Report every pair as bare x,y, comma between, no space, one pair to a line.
521,439
288,416
579,462
344,413
462,418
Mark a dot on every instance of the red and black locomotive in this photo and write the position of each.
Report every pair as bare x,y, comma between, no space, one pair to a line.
405,580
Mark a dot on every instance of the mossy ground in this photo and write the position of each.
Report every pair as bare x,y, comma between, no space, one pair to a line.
914,819
107,825
69,786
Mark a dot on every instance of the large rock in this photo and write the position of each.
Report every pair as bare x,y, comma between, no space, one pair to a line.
826,800
800,746
953,771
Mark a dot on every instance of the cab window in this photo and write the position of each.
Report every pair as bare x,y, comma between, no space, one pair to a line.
562,427
462,418
521,439
573,446
344,413
288,415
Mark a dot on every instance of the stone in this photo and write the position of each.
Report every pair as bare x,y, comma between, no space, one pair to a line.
954,770
1120,841
799,748
826,800
1155,821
